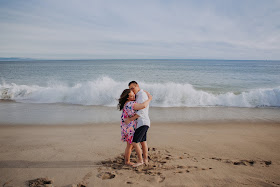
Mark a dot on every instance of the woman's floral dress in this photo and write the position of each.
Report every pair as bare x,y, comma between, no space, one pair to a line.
127,131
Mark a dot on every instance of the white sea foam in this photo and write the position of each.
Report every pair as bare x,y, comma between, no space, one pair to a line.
105,92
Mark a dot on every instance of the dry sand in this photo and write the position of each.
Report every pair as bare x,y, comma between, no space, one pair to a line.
181,154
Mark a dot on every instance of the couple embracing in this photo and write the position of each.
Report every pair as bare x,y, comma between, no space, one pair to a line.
135,122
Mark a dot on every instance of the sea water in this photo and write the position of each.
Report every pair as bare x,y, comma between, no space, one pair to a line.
93,86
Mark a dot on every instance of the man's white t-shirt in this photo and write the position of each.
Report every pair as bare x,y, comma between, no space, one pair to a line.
144,119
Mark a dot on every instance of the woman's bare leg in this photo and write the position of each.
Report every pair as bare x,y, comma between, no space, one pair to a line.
127,154
139,154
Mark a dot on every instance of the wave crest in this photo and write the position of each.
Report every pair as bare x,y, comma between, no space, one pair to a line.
105,91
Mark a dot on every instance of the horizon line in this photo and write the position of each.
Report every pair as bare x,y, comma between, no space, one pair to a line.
42,59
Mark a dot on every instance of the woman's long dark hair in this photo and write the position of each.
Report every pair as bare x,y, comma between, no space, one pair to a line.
123,98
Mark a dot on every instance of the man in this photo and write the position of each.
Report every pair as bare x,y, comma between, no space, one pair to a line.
143,124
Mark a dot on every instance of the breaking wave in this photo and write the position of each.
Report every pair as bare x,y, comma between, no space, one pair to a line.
105,92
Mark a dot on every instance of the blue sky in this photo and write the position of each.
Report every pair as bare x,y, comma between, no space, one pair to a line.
87,29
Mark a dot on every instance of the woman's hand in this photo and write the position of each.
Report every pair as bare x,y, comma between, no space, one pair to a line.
149,95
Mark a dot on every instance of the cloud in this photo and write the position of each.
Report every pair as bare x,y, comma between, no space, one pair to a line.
140,29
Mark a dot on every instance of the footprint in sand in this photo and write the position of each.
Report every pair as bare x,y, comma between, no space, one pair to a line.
243,162
157,161
181,169
79,185
84,182
6,183
87,176
157,179
267,163
40,182
159,164
106,175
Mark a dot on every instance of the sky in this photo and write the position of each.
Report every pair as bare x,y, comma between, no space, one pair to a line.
146,29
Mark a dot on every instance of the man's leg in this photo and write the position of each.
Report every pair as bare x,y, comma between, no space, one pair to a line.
144,145
145,151
140,136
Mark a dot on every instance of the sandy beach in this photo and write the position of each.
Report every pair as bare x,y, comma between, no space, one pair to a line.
181,154
70,72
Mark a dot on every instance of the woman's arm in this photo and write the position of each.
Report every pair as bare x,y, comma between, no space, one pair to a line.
139,106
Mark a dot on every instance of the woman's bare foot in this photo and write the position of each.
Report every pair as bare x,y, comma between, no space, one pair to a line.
130,163
137,164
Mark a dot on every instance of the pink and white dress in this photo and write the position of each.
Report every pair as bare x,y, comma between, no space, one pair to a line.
127,131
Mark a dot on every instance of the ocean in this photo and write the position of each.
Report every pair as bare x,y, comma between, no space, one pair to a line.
86,91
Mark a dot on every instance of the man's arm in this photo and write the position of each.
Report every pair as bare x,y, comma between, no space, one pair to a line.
141,99
128,120
140,106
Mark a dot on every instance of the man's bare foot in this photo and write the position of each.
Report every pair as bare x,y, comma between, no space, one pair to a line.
130,163
137,164
146,161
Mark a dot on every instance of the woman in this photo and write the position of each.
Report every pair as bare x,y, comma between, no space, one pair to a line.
128,106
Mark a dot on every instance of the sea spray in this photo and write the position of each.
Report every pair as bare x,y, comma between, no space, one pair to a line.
105,91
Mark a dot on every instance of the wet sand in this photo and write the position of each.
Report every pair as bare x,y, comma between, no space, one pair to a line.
67,114
181,154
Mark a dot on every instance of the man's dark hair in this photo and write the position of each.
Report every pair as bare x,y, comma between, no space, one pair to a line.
132,82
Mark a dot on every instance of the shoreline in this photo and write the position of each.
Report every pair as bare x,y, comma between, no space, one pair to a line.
188,123
181,154
53,114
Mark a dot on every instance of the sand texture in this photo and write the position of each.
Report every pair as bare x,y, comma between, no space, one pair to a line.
180,154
